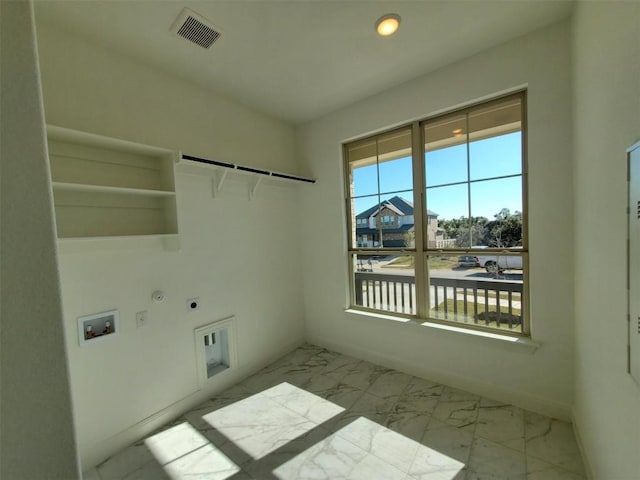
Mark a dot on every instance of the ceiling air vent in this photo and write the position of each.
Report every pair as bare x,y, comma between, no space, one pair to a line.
195,28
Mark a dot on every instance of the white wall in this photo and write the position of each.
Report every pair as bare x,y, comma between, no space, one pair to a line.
240,257
37,432
541,381
606,47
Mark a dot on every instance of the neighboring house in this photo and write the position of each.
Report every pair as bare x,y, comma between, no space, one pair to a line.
391,224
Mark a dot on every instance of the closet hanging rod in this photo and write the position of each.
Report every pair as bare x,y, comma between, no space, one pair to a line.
243,168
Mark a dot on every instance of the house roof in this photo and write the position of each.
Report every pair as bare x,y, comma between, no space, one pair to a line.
397,204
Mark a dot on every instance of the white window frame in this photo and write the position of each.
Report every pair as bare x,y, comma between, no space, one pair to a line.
421,251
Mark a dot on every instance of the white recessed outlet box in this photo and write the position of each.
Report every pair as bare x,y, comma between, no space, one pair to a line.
215,348
193,304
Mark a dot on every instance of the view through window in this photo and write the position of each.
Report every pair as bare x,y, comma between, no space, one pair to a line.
437,218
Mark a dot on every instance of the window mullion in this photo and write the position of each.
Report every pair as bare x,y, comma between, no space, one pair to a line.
417,149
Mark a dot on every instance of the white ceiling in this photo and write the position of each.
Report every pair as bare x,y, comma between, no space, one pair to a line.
299,59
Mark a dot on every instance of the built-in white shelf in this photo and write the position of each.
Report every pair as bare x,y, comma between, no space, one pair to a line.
81,187
219,172
105,187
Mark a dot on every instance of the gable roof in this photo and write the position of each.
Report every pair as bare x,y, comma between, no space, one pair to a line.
397,204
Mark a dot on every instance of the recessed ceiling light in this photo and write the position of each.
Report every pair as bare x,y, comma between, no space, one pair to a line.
457,132
388,24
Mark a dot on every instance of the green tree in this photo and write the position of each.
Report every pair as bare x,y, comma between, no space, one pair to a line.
505,230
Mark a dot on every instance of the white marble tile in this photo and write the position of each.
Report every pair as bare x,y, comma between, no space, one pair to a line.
450,394
297,356
389,446
310,406
448,440
205,463
288,422
500,423
332,459
430,464
373,468
462,414
242,475
320,383
553,441
419,396
175,442
258,424
264,467
368,406
363,374
265,379
124,462
410,424
325,357
539,470
389,384
340,366
488,460
310,349
228,397
342,394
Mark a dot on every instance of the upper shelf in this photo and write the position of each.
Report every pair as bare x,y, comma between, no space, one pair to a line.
219,170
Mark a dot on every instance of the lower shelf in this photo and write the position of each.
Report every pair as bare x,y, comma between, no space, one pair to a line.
79,214
169,242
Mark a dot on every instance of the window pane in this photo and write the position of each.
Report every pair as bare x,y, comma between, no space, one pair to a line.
495,139
462,292
384,221
396,175
496,156
446,150
447,216
364,180
385,282
500,202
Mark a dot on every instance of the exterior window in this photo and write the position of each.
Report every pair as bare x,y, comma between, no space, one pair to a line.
464,259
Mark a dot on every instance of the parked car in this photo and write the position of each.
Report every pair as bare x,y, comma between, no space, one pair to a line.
497,263
468,261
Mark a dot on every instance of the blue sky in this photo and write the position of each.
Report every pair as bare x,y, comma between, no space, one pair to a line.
489,158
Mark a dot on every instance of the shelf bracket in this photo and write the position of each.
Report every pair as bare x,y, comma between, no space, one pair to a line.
217,181
254,188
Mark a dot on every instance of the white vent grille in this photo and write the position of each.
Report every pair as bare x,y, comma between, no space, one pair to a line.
195,28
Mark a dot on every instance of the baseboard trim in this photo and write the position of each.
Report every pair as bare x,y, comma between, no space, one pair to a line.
581,446
520,399
101,450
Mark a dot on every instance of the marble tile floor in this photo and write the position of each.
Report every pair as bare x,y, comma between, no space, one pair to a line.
316,414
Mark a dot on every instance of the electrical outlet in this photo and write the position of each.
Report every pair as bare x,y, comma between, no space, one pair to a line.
193,304
142,318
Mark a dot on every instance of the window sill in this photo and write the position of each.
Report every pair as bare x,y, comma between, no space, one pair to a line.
520,342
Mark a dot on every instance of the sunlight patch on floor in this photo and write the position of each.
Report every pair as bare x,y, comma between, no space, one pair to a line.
264,422
183,453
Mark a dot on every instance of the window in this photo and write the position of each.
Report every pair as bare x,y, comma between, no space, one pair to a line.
463,260
387,220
